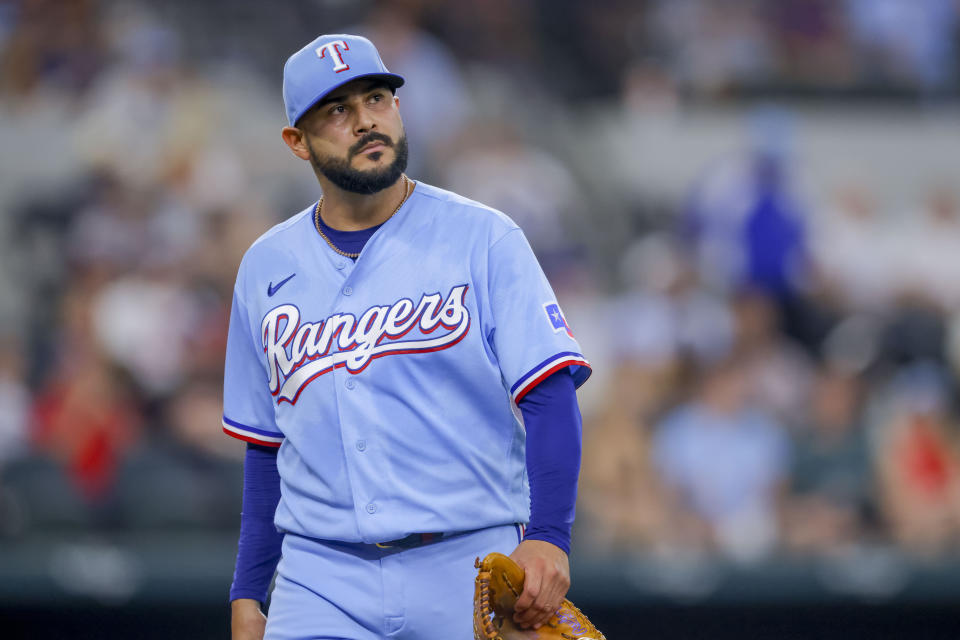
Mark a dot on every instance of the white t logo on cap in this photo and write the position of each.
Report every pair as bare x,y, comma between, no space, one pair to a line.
335,54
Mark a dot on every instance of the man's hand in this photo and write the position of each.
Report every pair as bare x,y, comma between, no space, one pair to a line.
247,622
547,580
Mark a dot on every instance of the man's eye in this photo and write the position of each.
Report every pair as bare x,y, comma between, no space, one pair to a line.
338,109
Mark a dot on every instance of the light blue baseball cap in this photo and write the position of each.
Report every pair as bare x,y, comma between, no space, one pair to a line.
329,62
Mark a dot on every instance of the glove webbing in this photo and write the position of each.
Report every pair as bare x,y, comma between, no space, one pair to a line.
486,610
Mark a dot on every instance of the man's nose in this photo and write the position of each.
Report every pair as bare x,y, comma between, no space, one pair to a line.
364,124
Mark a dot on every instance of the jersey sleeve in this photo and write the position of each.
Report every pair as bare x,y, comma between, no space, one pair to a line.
247,403
530,335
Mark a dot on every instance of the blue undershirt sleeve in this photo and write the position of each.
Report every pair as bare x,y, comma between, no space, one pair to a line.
553,423
258,550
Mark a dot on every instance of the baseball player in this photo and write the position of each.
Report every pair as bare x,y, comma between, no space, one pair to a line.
405,379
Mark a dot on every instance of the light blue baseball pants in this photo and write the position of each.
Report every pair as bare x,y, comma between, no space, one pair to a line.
345,591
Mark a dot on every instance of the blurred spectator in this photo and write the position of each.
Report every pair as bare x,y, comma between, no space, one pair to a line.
664,314
192,410
952,345
831,486
584,48
743,220
497,166
224,237
498,33
812,43
110,232
85,416
715,45
144,324
647,89
14,402
917,460
725,464
856,251
928,241
915,331
87,423
621,499
779,371
54,45
146,116
907,41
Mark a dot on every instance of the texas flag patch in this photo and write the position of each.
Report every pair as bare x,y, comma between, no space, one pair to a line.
555,316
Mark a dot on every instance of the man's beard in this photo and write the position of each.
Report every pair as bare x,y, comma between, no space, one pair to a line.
342,174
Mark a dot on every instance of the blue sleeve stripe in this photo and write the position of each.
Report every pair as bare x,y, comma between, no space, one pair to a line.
251,434
581,371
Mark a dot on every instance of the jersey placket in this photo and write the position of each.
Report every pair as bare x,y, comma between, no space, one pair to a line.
358,435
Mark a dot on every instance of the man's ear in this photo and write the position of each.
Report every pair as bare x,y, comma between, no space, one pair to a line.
297,141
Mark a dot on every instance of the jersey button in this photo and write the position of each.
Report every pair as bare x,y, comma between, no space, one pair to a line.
348,291
340,265
350,384
372,508
361,445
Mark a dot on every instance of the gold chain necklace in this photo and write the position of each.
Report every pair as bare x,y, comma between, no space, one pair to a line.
316,218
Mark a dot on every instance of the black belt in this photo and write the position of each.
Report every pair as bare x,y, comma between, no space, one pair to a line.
412,540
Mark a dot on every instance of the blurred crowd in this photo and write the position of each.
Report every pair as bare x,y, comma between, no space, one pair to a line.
774,372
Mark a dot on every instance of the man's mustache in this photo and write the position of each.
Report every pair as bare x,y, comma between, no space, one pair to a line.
373,136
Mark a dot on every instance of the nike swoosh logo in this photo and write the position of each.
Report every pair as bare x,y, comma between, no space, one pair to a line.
273,289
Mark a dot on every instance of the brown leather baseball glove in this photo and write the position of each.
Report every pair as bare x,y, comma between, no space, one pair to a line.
496,590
